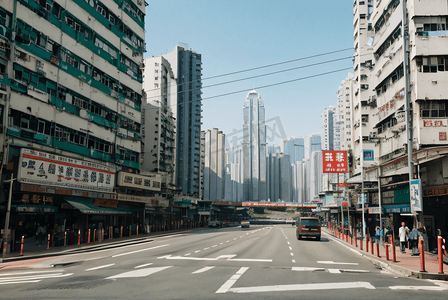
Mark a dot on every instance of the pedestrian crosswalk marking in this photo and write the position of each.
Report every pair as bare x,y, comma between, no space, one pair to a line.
139,273
334,271
32,278
303,287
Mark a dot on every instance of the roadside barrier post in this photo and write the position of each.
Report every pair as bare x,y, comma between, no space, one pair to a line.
136,229
79,237
387,250
394,255
21,245
88,236
356,242
377,249
94,234
367,243
121,231
48,241
422,255
360,244
65,238
129,230
439,252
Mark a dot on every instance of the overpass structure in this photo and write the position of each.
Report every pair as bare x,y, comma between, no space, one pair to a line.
278,204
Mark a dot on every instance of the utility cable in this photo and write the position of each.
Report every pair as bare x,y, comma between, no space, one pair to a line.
260,67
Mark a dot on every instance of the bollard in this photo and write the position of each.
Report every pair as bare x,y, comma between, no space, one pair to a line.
136,229
394,255
387,251
439,252
65,238
88,237
94,235
360,244
378,249
129,230
422,255
371,246
367,244
21,245
356,242
48,242
100,235
111,231
79,237
121,231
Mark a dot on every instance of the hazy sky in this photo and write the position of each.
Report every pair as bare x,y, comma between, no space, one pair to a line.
236,35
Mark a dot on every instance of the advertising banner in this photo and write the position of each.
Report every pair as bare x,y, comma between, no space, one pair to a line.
38,167
415,191
152,183
334,161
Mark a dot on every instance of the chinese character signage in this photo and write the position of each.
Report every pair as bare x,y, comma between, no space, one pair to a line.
334,161
38,167
150,182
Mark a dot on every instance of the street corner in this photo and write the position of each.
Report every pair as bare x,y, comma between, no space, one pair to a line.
38,263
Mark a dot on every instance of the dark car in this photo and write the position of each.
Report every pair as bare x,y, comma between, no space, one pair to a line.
308,227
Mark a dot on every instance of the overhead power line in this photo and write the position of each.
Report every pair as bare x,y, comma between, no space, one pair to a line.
256,76
266,86
260,67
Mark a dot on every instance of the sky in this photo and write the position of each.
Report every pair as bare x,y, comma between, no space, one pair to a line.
237,35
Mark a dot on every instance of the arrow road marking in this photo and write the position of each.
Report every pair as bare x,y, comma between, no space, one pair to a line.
229,283
336,263
139,273
302,287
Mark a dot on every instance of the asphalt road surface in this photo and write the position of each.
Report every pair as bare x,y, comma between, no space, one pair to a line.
260,262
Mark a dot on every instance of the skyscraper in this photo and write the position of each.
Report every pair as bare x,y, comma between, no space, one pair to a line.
254,148
294,147
187,67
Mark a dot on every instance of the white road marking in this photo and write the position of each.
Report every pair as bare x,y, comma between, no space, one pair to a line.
204,269
227,257
303,287
187,254
229,283
227,241
234,239
5,280
139,273
289,243
32,272
307,269
416,288
292,254
100,267
294,261
141,266
141,250
336,263
354,271
290,248
220,243
214,246
207,248
334,271
197,251
15,282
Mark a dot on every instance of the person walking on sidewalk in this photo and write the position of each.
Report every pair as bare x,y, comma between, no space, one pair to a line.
40,233
413,241
403,233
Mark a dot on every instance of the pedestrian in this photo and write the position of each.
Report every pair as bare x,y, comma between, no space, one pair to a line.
425,238
40,234
413,241
403,233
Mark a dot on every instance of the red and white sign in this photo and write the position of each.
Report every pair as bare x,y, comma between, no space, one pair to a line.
442,136
342,184
334,161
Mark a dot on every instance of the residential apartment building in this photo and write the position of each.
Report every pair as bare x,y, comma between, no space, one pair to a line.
71,100
186,65
328,128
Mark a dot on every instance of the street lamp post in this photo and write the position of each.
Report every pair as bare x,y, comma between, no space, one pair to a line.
7,234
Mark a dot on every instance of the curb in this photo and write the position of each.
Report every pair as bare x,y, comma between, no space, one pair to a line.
391,267
91,248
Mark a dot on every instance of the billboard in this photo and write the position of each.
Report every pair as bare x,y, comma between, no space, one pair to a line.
151,182
334,161
37,167
415,191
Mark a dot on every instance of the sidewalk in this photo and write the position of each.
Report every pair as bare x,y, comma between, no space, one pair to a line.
34,255
405,263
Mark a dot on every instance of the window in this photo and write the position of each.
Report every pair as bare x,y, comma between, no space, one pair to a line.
432,64
433,109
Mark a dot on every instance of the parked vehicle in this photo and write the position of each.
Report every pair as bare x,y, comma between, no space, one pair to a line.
308,227
245,224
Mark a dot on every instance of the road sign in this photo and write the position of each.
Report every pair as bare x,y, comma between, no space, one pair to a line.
334,161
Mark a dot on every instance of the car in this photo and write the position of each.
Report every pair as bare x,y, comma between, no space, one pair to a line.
245,224
308,227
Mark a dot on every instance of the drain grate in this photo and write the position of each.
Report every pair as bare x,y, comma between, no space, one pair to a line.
84,285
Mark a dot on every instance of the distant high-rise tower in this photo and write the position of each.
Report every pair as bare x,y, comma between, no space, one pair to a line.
254,148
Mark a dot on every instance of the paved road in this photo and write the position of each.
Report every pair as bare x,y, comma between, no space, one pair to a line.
260,262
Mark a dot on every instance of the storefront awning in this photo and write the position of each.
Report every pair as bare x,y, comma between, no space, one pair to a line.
86,207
